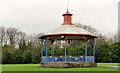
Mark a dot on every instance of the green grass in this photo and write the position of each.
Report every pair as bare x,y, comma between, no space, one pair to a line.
112,64
36,67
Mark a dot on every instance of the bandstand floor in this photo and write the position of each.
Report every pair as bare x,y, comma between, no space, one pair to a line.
68,64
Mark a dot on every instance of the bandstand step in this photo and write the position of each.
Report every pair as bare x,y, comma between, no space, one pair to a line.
68,64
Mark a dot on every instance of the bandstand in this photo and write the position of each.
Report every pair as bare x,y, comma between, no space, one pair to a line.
67,32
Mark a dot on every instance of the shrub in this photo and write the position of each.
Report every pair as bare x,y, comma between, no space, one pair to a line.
35,58
6,58
26,57
16,57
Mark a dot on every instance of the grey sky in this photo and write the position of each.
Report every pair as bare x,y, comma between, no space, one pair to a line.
36,16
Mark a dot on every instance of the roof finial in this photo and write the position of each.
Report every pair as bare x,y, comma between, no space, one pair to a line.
67,7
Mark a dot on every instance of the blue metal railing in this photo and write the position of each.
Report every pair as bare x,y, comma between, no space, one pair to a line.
68,59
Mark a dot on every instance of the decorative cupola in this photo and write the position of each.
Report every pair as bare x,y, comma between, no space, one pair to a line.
67,18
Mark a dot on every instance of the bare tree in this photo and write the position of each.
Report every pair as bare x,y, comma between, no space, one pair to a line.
87,27
115,37
21,36
2,35
34,39
12,34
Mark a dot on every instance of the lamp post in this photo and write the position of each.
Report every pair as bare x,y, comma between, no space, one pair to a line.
93,50
65,47
85,49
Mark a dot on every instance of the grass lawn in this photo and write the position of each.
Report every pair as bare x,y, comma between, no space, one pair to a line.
113,64
36,67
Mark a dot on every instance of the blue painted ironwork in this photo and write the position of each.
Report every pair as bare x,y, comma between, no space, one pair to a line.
46,50
94,51
68,59
86,50
65,50
41,51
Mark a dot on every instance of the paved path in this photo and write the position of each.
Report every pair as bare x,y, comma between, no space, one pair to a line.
110,66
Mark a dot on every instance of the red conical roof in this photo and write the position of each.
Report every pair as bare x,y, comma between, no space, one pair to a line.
67,13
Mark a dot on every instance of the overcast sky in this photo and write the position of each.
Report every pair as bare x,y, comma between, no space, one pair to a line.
37,16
